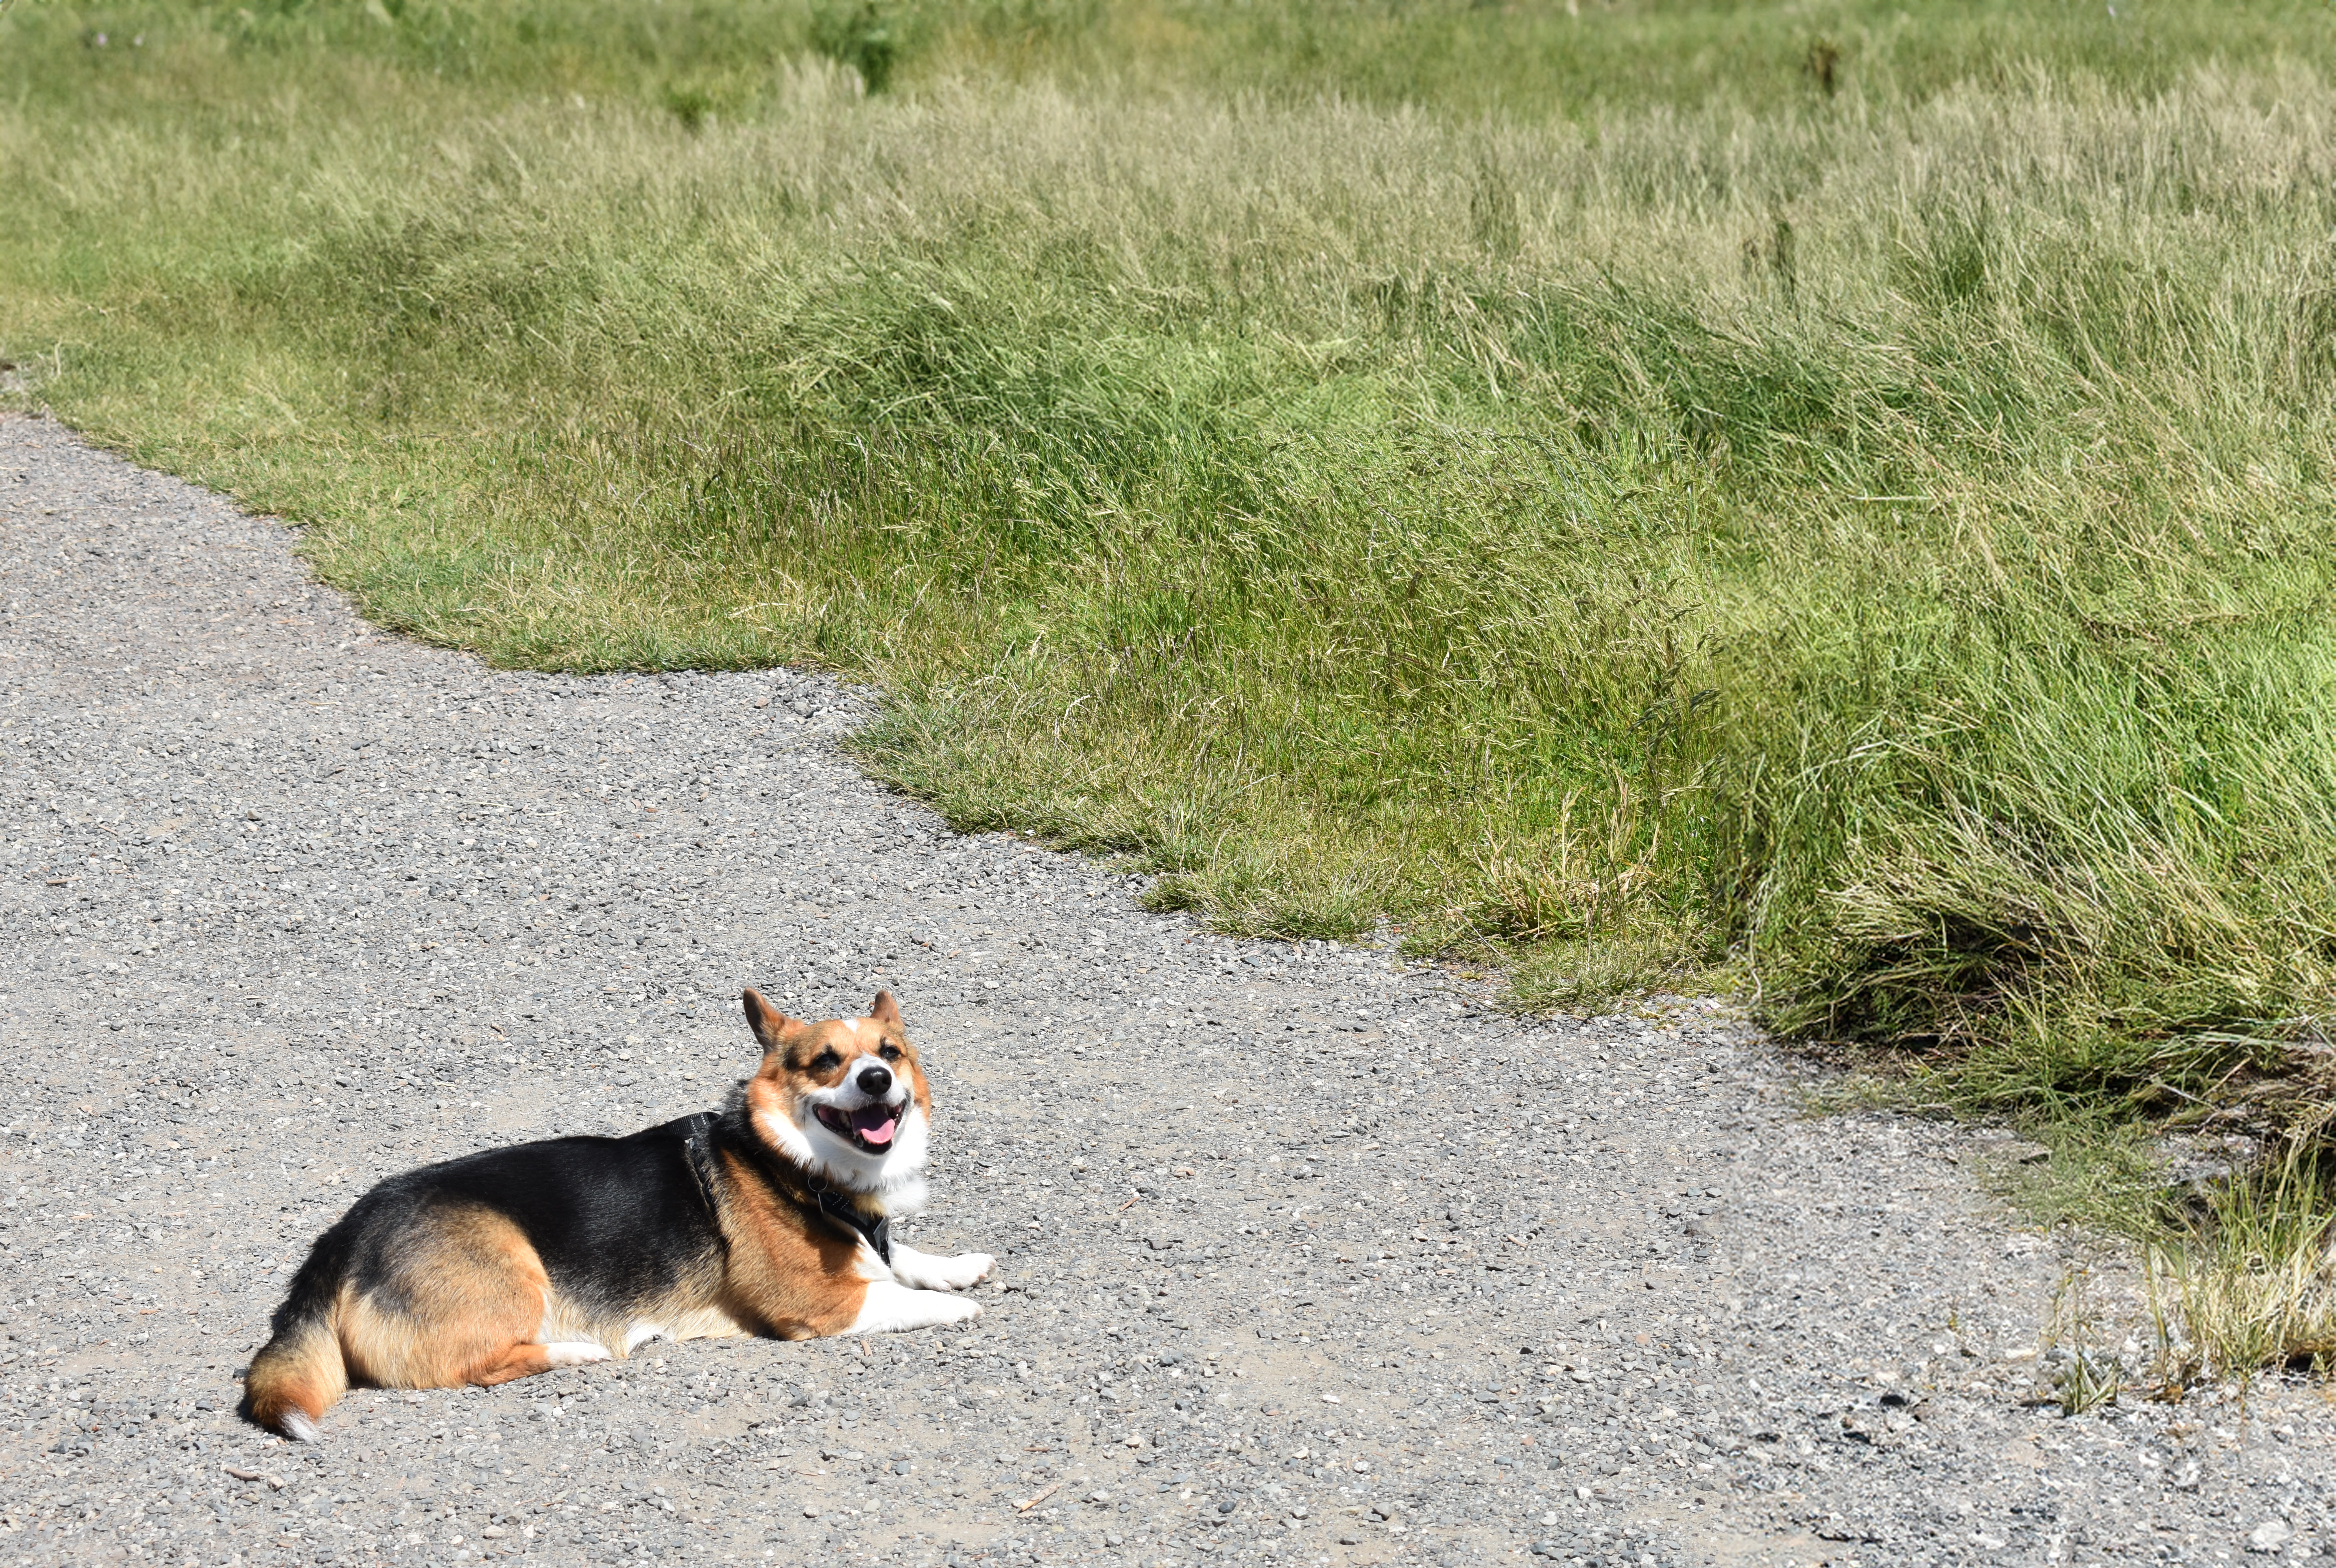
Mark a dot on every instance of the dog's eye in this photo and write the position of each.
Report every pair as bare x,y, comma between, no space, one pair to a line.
826,1061
889,1052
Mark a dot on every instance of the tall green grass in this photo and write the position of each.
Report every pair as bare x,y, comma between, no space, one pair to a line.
1840,487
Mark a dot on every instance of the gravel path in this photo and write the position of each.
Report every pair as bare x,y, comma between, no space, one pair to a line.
1307,1256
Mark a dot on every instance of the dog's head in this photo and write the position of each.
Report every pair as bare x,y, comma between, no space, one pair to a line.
844,1098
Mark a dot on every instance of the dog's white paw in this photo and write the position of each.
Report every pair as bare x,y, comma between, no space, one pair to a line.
924,1271
971,1268
891,1309
574,1352
948,1309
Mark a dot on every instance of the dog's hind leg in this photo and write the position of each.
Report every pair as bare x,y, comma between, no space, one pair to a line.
462,1303
520,1361
526,1359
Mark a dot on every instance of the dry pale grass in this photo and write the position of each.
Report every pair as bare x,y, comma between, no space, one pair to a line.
2251,1282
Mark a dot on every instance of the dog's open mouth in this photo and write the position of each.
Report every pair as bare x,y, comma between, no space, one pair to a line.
871,1127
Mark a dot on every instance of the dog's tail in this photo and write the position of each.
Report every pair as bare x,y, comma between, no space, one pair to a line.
300,1373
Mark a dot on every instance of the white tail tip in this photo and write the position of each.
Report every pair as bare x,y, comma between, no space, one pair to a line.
299,1428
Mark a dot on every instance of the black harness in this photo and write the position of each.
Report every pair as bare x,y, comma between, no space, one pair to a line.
697,1144
876,1232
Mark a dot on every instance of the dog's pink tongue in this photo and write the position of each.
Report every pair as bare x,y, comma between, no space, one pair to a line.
875,1124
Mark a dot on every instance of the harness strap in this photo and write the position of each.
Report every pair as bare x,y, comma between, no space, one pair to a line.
697,1146
876,1232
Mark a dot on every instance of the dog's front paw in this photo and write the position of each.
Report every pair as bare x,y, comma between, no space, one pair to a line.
954,1309
890,1309
924,1271
956,1273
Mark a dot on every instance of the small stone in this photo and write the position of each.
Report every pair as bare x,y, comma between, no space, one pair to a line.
2269,1535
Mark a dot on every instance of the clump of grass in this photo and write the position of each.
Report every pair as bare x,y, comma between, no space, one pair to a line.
2250,1284
861,34
1585,975
2083,1377
689,105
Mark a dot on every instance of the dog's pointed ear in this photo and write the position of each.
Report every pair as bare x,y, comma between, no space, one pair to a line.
886,1011
771,1026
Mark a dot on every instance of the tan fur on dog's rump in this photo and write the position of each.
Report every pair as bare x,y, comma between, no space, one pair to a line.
477,1291
480,1294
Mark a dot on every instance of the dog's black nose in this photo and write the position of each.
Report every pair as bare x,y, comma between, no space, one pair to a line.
875,1080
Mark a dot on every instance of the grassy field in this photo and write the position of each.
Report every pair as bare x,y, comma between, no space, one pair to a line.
1838,491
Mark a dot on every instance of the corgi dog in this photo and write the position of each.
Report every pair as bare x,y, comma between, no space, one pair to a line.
770,1217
